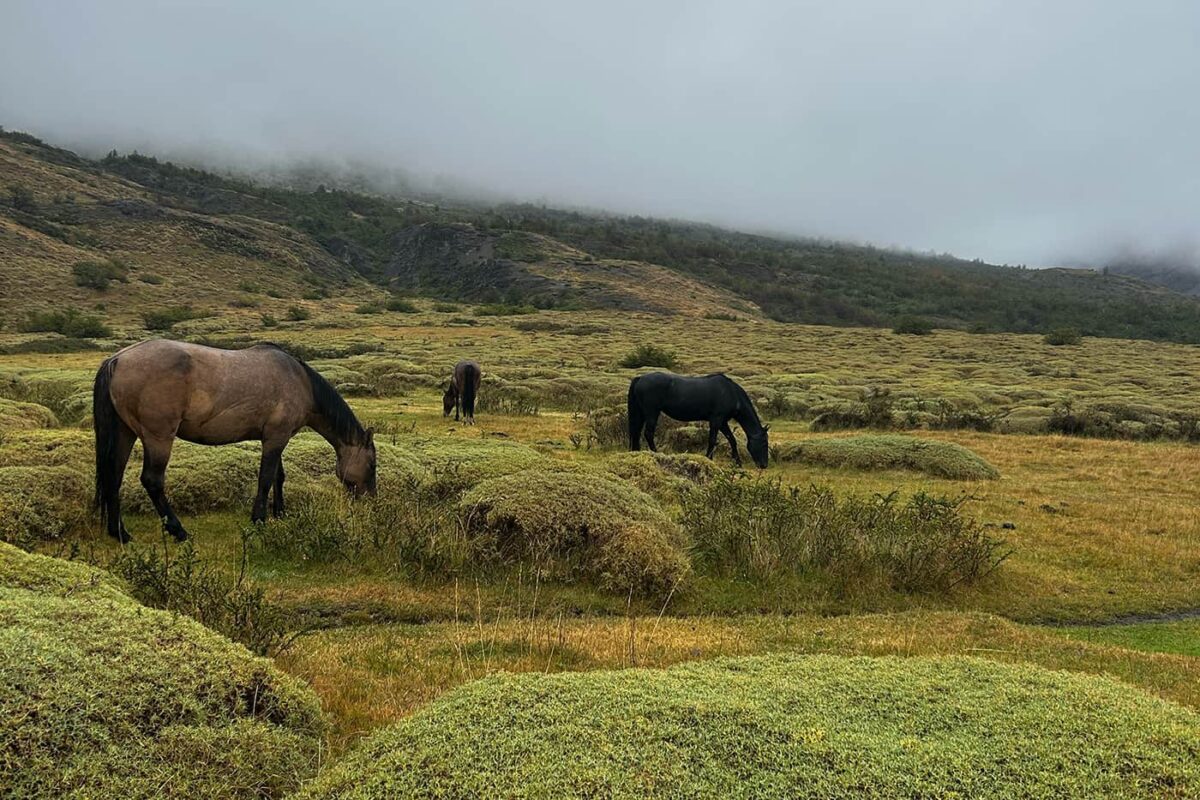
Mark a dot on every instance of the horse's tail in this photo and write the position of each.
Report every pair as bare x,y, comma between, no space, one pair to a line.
471,379
107,425
636,418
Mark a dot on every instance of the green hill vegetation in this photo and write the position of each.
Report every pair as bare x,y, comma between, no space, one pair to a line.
783,726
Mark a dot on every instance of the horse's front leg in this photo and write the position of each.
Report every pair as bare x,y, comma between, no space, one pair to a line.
268,470
737,459
713,428
154,479
277,498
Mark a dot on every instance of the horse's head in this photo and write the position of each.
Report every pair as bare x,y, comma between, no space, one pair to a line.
758,447
448,399
356,465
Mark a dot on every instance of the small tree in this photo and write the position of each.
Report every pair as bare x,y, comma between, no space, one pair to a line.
916,326
1063,336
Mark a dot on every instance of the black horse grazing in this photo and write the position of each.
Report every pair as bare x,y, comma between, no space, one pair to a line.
714,399
461,390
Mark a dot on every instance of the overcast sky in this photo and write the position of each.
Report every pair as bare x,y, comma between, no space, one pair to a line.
1019,131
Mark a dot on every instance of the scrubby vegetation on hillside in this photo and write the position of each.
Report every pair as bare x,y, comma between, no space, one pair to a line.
505,252
783,726
101,697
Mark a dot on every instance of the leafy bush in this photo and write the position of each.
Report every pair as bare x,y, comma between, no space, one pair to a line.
99,274
164,319
445,308
245,302
298,314
916,326
874,410
269,321
941,459
574,523
373,307
102,697
761,529
150,278
55,344
401,305
69,322
1063,336
41,503
650,355
784,725
494,398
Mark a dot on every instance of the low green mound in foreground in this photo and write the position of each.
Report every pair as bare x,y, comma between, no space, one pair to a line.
784,726
102,697
873,452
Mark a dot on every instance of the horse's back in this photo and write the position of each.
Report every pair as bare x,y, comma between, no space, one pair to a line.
683,397
466,370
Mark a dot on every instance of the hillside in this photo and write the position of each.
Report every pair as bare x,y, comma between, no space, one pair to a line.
210,240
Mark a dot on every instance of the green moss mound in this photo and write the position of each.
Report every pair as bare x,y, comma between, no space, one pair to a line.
15,415
930,456
40,503
784,726
102,697
578,522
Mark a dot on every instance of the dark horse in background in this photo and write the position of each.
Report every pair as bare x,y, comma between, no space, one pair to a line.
714,399
461,391
159,390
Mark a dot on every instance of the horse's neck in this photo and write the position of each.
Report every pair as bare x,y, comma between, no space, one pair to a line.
325,427
747,418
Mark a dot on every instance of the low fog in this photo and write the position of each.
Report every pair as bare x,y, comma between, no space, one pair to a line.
1014,131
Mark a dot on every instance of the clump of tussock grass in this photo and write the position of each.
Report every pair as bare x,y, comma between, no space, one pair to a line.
783,725
880,452
102,697
608,427
760,529
573,524
661,475
69,322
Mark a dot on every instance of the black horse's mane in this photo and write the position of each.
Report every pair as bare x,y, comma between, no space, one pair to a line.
745,403
332,407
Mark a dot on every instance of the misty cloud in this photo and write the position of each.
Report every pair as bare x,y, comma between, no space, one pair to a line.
1015,131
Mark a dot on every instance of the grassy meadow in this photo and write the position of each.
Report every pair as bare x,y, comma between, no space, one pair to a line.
382,607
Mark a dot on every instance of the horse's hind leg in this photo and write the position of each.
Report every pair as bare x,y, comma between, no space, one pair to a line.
112,510
737,459
713,428
154,479
651,426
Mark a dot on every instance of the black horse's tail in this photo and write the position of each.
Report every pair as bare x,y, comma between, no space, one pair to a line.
471,379
636,420
107,425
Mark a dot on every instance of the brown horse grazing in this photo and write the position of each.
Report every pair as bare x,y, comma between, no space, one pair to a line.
461,391
159,390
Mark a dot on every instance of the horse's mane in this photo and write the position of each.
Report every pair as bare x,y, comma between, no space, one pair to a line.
744,401
332,407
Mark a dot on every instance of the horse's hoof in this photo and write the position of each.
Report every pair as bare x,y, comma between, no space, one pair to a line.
178,532
121,536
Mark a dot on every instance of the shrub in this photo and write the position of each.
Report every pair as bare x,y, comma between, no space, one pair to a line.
649,355
575,523
298,314
164,319
609,427
56,344
494,398
664,477
69,322
916,326
101,697
150,278
269,321
445,308
373,307
941,459
401,306
177,579
874,410
41,503
783,725
245,302
99,274
760,529
502,310
1063,336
